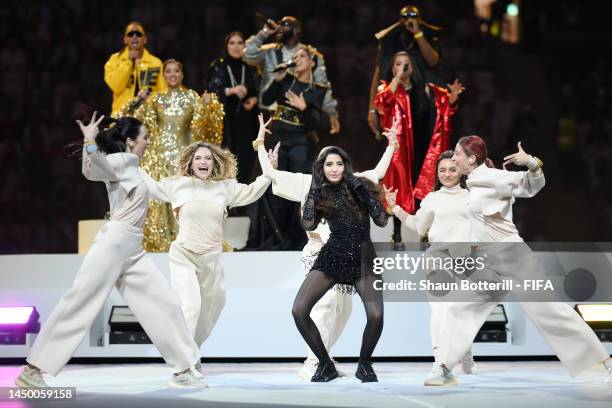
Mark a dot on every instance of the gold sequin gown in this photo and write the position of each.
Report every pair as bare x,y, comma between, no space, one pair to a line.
174,119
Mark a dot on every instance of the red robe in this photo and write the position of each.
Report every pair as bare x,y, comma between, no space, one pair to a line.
399,175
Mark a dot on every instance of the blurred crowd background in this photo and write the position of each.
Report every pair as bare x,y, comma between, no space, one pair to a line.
548,84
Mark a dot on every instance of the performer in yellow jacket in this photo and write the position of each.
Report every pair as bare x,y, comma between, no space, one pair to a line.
175,118
133,69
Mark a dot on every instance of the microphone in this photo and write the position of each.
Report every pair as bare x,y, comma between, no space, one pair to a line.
284,65
267,21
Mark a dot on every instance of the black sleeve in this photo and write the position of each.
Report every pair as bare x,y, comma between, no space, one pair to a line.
379,216
252,81
273,92
311,116
310,215
216,80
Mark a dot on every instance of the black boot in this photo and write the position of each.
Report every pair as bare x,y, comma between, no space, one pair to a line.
325,372
365,372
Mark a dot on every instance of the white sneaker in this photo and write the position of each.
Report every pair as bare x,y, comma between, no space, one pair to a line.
608,380
198,370
441,376
308,369
30,378
338,370
467,363
186,379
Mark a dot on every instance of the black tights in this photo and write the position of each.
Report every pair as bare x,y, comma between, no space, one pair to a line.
314,287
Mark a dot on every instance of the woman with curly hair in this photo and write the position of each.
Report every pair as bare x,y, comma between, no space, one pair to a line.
346,202
174,118
199,195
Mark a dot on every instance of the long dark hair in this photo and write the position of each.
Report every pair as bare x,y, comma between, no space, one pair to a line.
115,133
325,203
229,37
419,99
448,154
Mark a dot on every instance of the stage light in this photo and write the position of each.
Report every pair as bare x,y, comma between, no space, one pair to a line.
512,10
16,321
494,328
125,328
599,317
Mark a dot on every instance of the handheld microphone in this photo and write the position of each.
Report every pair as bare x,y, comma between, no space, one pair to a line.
267,21
284,65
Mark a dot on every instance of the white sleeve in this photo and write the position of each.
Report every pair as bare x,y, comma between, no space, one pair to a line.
96,167
291,186
519,183
424,217
244,194
159,190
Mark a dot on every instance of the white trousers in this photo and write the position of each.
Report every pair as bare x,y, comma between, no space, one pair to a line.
568,335
115,259
330,314
198,281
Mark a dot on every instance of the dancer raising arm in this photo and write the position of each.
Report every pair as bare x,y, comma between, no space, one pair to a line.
331,313
116,259
442,218
491,195
199,195
346,202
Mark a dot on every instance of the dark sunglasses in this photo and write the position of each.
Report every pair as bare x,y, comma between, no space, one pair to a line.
410,14
134,33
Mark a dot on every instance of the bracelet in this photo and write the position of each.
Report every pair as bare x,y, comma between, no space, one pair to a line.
534,163
257,143
389,209
395,145
418,35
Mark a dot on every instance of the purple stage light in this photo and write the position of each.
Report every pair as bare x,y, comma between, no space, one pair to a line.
16,321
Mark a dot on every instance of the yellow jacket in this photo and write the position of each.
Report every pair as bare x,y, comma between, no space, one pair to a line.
120,78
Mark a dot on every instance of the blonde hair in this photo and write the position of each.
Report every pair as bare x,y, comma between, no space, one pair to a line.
225,165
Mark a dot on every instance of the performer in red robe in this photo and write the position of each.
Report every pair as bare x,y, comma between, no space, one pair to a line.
424,112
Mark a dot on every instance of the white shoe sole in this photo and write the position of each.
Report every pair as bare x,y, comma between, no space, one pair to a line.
173,384
434,382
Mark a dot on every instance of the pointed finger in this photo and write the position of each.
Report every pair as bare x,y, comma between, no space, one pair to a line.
520,147
268,122
510,157
99,120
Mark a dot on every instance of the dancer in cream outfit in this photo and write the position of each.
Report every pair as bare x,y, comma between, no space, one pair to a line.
116,259
199,197
442,218
491,195
332,311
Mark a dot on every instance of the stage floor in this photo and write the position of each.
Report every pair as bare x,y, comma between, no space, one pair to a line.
498,384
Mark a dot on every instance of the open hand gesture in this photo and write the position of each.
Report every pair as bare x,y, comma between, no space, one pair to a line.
390,196
520,158
296,101
391,133
91,130
273,155
455,90
263,127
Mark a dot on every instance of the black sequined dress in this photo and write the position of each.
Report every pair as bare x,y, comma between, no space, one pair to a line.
349,251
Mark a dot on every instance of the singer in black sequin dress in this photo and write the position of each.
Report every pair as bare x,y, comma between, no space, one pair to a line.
347,203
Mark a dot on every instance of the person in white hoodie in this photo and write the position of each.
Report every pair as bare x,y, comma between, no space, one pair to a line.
331,313
199,195
489,207
442,218
116,259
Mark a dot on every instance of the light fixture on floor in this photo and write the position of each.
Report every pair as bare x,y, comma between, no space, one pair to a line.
494,329
16,321
125,328
599,317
